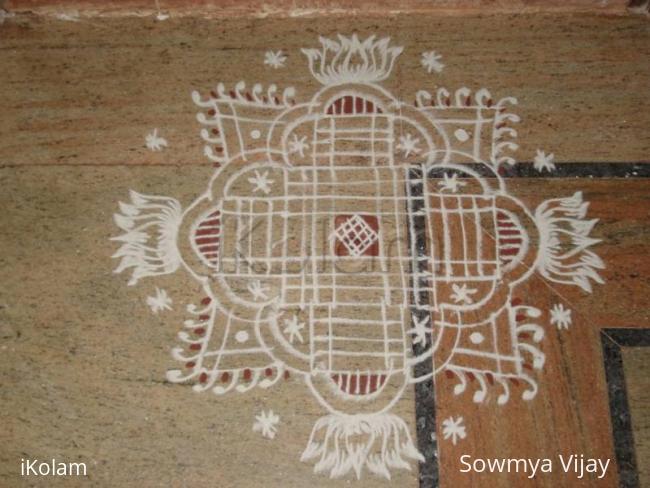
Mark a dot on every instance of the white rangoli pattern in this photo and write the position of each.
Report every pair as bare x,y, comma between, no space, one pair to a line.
431,62
274,59
154,142
304,244
543,162
453,429
159,302
560,316
266,423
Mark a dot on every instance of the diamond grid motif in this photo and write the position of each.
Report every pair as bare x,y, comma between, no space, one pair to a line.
356,235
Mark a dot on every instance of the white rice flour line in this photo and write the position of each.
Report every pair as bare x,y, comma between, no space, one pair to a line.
301,246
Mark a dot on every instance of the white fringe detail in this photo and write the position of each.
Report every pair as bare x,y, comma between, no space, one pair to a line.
564,239
150,224
350,442
351,60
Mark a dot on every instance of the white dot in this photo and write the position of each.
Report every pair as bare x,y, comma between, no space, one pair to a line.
255,134
241,336
461,135
476,338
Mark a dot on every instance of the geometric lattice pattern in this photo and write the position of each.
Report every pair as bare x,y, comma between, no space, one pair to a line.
356,235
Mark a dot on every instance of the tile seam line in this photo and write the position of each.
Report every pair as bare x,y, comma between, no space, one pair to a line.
563,169
314,13
619,408
545,174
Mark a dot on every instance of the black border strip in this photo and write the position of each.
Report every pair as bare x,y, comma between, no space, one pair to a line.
564,170
425,403
613,340
580,170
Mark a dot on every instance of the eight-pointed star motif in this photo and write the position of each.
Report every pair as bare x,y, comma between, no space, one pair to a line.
450,183
154,141
453,429
561,316
461,294
431,62
543,161
261,182
292,329
159,302
298,145
408,144
275,59
266,423
258,290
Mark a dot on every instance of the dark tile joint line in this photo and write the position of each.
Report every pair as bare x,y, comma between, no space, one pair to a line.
612,341
425,406
608,169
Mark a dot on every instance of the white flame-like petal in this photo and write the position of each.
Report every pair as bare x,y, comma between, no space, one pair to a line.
344,443
150,224
564,233
352,61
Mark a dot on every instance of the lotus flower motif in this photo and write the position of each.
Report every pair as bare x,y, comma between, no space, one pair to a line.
352,61
564,234
342,444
